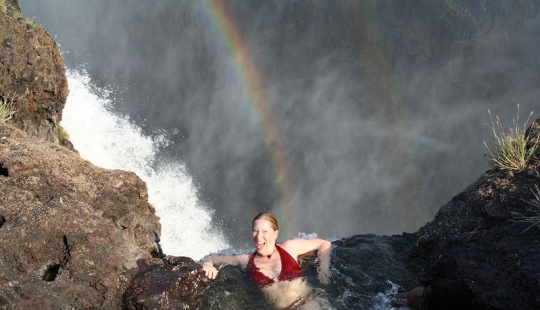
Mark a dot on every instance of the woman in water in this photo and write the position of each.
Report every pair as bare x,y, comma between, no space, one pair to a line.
274,268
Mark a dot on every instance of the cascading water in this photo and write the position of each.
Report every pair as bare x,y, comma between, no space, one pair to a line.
112,141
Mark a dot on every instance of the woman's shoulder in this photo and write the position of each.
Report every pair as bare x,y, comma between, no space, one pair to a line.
288,244
293,246
300,246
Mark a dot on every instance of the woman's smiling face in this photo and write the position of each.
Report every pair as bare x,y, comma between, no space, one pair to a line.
264,236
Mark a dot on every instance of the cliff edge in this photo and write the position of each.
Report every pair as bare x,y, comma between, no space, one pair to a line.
32,74
72,235
76,236
488,236
69,231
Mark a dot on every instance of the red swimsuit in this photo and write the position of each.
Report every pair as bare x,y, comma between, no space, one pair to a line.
289,269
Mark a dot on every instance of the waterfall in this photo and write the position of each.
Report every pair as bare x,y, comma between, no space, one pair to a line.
342,117
324,113
111,141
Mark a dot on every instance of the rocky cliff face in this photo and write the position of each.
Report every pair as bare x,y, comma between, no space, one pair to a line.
480,237
32,75
67,227
72,235
75,236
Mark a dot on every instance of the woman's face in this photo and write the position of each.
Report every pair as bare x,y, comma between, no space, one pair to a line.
264,236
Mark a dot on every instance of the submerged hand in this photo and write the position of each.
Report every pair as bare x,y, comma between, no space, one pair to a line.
209,270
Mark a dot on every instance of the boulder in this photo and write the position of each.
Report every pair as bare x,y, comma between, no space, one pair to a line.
69,231
169,283
480,237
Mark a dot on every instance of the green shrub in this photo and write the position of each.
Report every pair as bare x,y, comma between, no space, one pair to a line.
512,152
62,135
534,218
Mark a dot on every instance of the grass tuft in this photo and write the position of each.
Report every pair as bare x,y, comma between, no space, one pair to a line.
533,219
7,108
16,14
31,22
512,152
48,41
62,135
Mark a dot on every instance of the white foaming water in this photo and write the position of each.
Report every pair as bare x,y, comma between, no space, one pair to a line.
383,301
112,142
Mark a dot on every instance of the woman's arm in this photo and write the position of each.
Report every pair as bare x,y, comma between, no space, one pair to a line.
209,263
297,247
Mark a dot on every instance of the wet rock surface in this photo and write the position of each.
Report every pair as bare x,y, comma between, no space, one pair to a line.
169,283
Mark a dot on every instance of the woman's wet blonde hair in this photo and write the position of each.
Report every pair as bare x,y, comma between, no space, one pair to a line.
269,216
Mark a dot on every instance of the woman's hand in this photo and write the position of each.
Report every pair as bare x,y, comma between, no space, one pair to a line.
209,262
209,270
323,269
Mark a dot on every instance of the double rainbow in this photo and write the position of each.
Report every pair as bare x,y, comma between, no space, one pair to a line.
249,82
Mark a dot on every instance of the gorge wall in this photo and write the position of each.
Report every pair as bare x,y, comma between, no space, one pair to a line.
32,74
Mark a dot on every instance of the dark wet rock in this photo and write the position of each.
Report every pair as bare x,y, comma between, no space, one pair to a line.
169,283
477,237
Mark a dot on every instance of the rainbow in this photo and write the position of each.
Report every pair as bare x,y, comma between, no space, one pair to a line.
385,87
250,79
